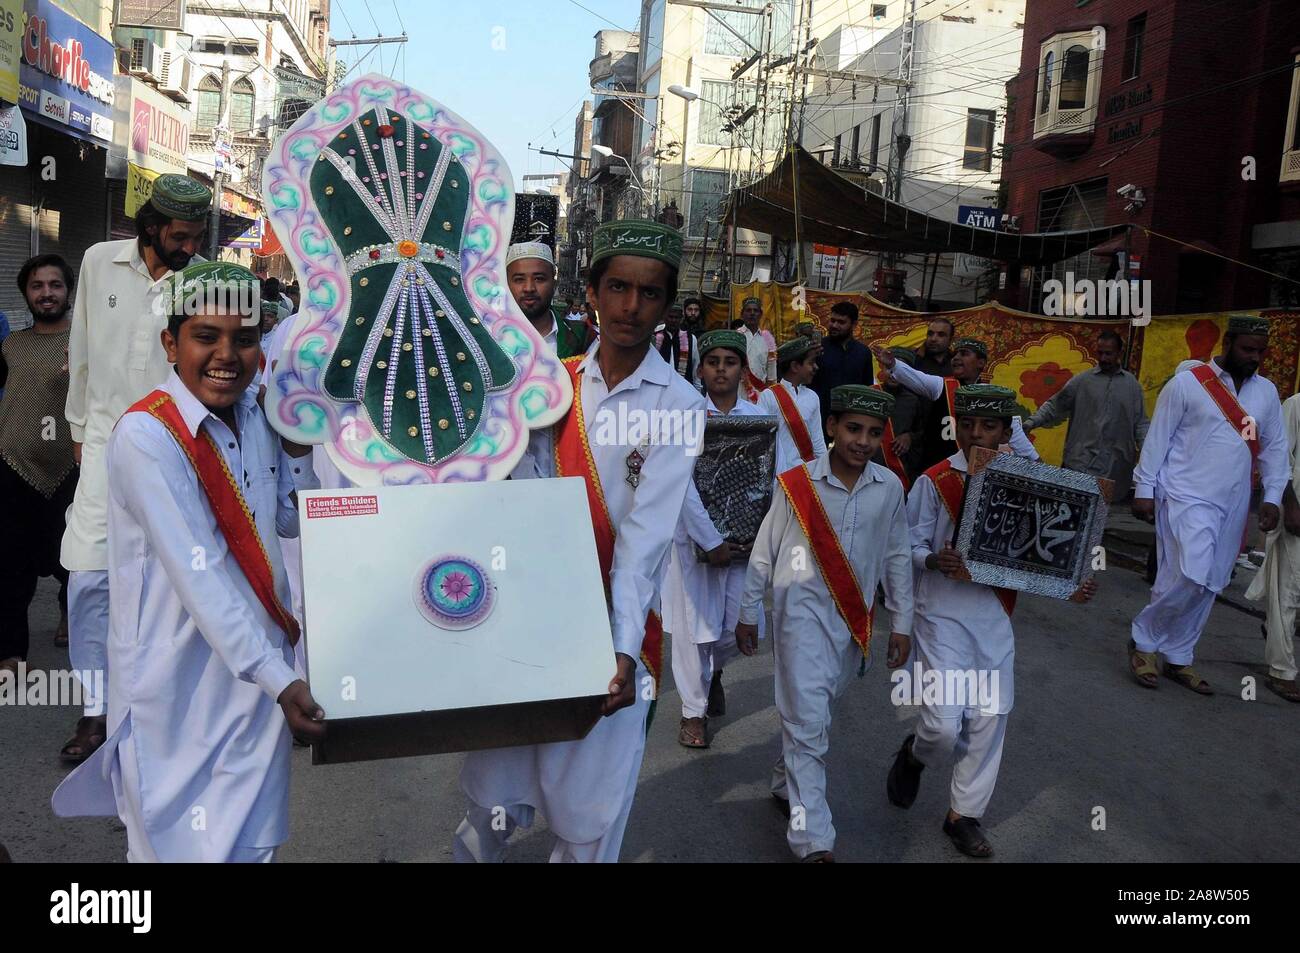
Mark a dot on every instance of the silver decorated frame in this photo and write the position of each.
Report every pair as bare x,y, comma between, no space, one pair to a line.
738,512
1086,495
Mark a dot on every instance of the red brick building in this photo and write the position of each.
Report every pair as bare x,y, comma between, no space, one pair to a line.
1192,108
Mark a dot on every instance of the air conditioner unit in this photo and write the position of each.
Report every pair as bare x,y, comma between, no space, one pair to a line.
146,58
174,75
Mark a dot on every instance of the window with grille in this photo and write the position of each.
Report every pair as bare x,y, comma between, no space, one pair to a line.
979,140
1068,82
708,192
242,100
208,106
1134,41
720,41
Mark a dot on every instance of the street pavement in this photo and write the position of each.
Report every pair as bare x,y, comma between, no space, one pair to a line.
1176,777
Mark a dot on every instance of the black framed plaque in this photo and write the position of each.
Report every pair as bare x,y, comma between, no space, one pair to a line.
734,476
1030,526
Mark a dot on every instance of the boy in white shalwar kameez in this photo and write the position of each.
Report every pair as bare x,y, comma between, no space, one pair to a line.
202,694
960,627
837,528
702,600
636,484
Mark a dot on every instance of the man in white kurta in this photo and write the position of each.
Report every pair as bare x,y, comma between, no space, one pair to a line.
1195,473
760,345
114,359
969,360
198,749
702,601
796,380
1277,584
585,788
816,655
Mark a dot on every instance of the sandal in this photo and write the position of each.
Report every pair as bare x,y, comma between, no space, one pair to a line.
1143,666
818,857
90,734
1184,676
968,837
10,665
1284,688
694,733
61,633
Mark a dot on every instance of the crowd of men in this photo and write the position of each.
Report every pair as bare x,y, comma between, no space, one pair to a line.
108,475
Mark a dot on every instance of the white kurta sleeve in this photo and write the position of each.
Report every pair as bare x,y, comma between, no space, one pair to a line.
294,473
151,478
1020,442
922,513
699,527
897,577
78,367
927,385
770,341
815,426
644,535
1170,406
1274,453
763,556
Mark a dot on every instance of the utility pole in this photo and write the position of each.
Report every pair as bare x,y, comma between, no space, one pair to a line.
219,133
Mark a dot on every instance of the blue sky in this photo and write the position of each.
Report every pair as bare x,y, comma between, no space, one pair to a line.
516,70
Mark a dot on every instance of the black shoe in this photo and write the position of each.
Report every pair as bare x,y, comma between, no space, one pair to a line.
782,805
968,837
717,697
905,776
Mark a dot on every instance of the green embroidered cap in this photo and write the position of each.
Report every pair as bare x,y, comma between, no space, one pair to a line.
1248,324
179,196
861,399
732,340
754,301
212,286
986,400
972,344
640,237
794,349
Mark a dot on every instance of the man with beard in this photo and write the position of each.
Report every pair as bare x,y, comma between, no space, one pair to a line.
693,311
760,346
677,346
936,358
115,357
38,475
969,359
1212,425
530,271
843,360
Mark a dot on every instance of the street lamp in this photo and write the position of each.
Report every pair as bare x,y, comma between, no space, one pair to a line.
685,92
608,153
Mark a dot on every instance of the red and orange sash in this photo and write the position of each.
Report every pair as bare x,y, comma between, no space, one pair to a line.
1228,405
950,385
754,385
573,458
836,571
951,484
893,460
227,503
798,429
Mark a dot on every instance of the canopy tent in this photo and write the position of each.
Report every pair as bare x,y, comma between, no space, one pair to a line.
836,210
